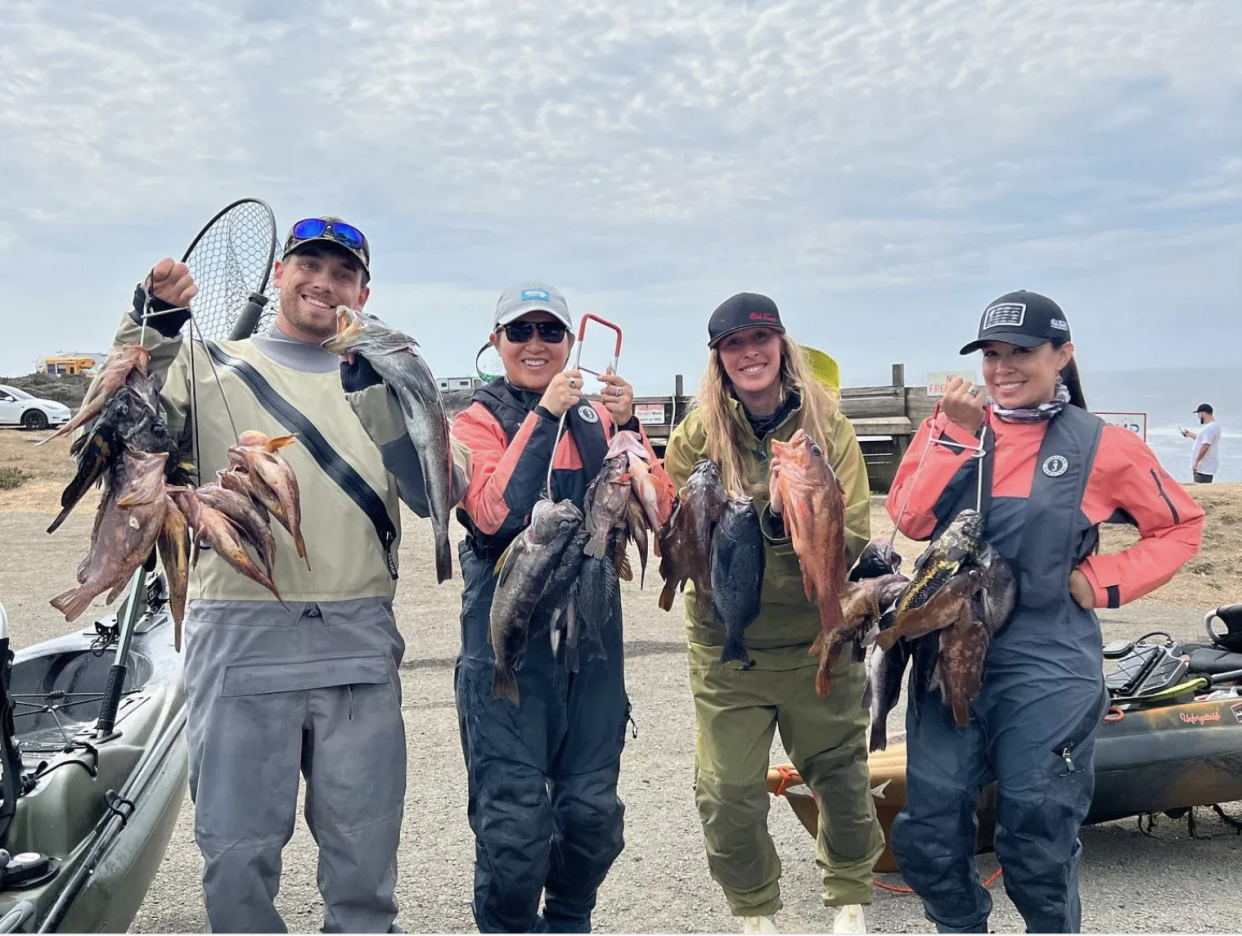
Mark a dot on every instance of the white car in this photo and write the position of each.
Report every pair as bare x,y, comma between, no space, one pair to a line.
19,408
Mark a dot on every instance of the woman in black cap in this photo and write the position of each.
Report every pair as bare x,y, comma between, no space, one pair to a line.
758,388
1051,473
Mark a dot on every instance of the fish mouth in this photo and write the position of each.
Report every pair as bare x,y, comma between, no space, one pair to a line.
349,326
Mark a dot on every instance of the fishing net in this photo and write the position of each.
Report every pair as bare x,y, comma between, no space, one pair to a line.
231,261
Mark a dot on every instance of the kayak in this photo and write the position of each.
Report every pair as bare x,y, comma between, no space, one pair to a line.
1170,741
95,804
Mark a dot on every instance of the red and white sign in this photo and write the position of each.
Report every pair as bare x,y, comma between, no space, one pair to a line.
649,414
1135,422
938,381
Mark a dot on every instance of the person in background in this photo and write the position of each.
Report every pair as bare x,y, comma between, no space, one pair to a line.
1205,460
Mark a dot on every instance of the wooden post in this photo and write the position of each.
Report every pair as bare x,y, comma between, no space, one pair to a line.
678,389
899,375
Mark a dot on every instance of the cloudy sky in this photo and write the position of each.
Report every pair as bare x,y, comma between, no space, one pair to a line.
882,168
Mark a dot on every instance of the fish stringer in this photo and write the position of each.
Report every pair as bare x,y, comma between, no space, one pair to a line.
616,358
976,451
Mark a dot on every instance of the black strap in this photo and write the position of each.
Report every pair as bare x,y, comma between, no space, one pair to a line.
332,464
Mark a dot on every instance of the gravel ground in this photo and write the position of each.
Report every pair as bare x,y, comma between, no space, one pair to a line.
1131,882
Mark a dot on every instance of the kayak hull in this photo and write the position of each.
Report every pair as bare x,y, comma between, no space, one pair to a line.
1146,761
104,814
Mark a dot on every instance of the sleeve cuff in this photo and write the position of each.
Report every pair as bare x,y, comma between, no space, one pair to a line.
1107,592
772,526
955,433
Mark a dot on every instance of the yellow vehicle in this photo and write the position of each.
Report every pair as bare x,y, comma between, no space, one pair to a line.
69,366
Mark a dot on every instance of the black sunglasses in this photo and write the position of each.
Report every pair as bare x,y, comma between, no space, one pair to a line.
521,332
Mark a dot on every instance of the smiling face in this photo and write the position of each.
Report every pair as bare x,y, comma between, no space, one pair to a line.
313,281
532,364
751,359
1019,377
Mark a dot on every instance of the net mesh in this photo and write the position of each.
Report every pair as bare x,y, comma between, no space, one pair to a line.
231,260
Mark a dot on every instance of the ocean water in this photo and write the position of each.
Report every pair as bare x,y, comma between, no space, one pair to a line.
1168,397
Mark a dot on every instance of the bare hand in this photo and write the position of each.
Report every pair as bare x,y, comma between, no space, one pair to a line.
172,282
963,404
1188,434
564,391
618,397
1081,590
774,489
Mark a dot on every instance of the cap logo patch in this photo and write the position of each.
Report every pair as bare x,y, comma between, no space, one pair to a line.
541,294
1007,314
1055,465
763,317
588,414
1059,324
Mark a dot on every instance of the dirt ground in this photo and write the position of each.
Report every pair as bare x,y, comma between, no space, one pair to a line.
1131,881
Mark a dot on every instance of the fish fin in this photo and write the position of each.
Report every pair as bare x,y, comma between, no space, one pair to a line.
667,594
504,685
624,570
868,693
274,445
961,712
597,546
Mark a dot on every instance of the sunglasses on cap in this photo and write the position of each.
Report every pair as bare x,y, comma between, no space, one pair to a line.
339,231
520,332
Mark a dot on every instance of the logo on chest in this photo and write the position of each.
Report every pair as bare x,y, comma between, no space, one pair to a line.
588,414
1055,465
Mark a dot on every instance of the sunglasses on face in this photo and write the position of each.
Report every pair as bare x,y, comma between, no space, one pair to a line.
339,231
521,332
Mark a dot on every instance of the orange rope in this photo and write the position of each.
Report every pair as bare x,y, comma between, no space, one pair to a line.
789,775
906,890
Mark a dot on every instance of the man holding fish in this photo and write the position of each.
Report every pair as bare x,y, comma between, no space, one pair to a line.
773,493
308,683
542,727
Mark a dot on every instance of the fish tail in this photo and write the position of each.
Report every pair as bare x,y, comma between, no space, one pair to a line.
73,602
504,685
444,557
734,649
60,517
823,680
879,737
961,712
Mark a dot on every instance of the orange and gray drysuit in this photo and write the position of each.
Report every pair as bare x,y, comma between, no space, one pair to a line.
1046,488
543,801
311,688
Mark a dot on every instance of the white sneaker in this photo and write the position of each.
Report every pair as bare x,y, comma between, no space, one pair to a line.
850,919
759,924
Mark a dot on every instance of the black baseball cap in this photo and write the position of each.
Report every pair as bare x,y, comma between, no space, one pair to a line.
745,310
330,229
1021,318
1205,408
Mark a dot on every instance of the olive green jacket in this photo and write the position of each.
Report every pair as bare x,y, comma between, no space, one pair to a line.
787,622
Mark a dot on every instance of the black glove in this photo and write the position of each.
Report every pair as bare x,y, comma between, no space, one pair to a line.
167,325
358,375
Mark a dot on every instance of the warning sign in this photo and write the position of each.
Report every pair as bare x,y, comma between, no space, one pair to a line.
938,381
649,414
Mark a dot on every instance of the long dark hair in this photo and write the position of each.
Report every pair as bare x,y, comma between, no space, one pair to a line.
1070,377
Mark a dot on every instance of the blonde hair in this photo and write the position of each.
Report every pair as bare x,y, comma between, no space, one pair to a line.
725,444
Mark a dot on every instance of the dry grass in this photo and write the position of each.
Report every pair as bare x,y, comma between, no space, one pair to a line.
1208,580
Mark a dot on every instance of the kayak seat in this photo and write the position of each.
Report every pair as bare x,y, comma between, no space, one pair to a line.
1212,661
1232,616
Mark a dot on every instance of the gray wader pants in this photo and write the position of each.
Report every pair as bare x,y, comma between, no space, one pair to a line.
274,693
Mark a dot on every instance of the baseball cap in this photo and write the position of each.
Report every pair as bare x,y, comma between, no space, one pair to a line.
330,230
1021,318
517,300
745,310
1205,408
